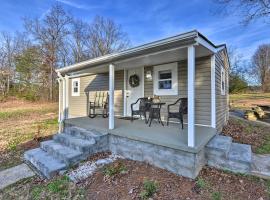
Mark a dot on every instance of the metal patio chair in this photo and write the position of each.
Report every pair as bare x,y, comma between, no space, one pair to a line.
144,106
182,109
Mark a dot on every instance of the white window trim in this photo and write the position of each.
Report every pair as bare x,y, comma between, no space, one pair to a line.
222,79
75,94
162,92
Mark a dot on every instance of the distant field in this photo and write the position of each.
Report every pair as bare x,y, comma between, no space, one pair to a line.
22,126
247,101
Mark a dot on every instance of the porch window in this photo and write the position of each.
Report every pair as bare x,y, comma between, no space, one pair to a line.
165,79
222,81
76,87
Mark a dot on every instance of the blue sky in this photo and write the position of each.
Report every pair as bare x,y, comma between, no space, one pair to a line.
148,20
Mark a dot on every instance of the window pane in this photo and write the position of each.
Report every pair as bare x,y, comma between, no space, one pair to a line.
165,84
75,89
165,74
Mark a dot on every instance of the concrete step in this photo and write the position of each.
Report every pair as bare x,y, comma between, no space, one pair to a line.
44,162
66,154
222,153
219,145
82,133
261,166
239,158
240,153
85,146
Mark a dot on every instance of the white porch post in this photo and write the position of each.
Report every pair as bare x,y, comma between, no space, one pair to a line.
191,96
125,95
111,96
213,91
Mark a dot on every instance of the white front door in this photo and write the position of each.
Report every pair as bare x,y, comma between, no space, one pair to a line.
133,93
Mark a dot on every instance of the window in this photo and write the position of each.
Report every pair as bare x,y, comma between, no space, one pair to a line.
76,87
165,79
223,88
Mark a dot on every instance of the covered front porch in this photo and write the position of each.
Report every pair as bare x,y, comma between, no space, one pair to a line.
188,62
171,136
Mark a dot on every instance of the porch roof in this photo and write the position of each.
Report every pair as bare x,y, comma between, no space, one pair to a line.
205,47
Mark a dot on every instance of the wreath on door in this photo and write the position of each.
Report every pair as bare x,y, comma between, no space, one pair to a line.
134,80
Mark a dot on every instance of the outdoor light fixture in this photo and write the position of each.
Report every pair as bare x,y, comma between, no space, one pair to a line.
148,75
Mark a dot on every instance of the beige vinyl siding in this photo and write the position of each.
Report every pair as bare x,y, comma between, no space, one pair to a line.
222,108
202,89
94,83
100,82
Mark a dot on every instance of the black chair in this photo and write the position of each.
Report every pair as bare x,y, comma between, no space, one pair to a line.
100,103
144,106
182,109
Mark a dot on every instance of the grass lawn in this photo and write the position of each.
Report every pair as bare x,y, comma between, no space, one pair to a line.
247,101
22,126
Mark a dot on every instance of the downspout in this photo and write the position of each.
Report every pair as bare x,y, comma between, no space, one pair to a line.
61,117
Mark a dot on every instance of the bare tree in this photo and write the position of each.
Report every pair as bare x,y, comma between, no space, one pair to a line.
57,40
105,37
239,75
50,33
261,64
250,10
78,40
8,50
10,45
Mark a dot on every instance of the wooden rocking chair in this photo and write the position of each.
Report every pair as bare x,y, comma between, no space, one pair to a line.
100,103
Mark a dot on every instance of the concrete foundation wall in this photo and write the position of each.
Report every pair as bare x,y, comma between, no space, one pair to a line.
179,162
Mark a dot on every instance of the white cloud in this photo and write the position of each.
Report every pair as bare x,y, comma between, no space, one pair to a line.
76,5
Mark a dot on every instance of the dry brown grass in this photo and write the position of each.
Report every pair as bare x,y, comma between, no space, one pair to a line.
247,101
22,124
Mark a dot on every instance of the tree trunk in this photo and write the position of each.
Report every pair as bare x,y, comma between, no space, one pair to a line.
8,84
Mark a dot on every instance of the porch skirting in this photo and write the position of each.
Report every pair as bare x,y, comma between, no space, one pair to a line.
183,163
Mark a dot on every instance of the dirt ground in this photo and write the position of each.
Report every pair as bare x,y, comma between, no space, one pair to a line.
211,184
216,183
242,131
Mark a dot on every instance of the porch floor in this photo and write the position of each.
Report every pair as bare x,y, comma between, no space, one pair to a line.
171,136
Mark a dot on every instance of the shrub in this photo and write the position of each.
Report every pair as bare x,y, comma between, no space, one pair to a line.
216,196
149,189
201,183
